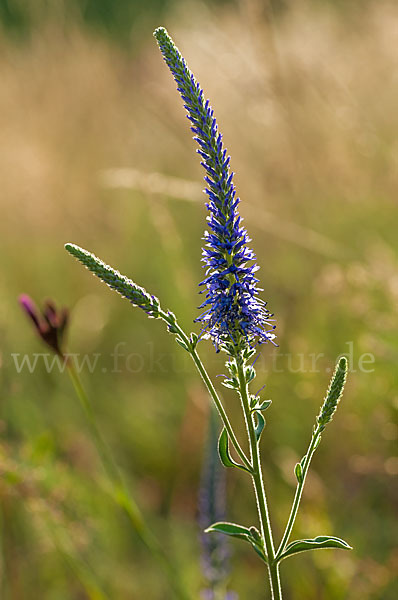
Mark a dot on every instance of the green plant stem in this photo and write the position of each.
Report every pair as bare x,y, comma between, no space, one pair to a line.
120,491
258,483
220,408
209,384
299,490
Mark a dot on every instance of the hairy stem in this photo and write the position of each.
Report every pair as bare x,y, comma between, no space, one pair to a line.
258,483
299,490
220,408
211,389
120,491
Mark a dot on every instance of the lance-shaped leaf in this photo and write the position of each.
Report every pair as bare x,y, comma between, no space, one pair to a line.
319,543
250,535
259,426
298,471
232,383
181,343
259,551
231,529
260,405
223,451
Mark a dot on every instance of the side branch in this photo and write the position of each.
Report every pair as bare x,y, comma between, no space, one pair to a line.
173,325
299,491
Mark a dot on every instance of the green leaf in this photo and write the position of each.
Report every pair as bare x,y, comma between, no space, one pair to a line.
232,383
250,374
260,426
251,535
223,450
261,405
231,529
231,366
298,471
318,441
259,551
320,542
254,532
248,353
181,343
264,405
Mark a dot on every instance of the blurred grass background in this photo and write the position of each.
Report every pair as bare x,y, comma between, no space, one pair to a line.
95,149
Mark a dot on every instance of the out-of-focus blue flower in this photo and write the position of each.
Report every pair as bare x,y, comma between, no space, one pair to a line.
211,595
212,508
212,501
233,313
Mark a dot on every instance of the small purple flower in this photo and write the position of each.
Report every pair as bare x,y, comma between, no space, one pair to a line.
50,324
234,313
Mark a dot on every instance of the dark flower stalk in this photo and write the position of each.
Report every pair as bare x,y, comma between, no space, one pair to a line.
234,313
50,324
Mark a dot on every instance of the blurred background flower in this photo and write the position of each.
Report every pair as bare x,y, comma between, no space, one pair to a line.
94,148
212,504
49,324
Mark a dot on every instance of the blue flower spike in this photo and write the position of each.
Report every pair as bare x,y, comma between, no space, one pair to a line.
234,316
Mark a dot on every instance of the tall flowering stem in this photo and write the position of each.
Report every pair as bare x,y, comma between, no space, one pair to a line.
233,312
236,319
244,376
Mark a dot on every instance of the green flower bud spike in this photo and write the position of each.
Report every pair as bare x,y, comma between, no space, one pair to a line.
334,393
116,281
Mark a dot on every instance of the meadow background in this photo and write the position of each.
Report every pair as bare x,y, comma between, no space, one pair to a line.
95,149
